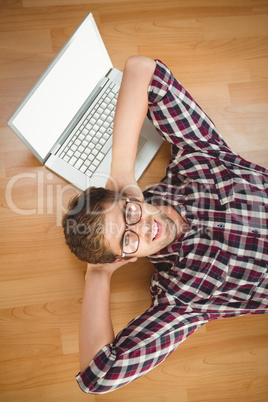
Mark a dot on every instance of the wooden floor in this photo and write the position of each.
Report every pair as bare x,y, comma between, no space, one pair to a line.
219,51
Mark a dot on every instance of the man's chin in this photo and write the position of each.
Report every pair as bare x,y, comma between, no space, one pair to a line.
172,233
170,240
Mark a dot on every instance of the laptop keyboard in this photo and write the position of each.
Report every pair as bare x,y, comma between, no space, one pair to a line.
92,138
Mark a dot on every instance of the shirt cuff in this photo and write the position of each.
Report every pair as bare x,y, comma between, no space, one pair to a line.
160,83
88,379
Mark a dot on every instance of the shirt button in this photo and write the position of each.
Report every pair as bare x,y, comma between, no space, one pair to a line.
255,231
221,225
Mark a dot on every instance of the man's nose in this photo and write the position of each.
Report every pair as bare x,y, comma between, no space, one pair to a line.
142,228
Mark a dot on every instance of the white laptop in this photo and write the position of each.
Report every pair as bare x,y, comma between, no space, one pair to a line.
60,119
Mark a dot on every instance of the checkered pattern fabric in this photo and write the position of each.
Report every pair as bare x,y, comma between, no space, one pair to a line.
218,267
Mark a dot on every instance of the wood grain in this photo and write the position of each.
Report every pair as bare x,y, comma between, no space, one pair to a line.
219,51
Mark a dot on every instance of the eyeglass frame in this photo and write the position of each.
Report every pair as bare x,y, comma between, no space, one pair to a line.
127,201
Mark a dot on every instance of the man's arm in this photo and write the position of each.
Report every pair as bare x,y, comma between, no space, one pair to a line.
96,328
142,345
179,119
131,110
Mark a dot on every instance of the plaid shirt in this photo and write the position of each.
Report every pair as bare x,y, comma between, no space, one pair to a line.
218,268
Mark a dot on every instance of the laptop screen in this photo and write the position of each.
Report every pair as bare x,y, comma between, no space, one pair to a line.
61,91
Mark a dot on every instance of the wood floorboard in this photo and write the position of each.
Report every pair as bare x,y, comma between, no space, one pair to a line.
219,51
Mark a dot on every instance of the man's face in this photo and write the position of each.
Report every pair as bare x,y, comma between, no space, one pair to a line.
155,229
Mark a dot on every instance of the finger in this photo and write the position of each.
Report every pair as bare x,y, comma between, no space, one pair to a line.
133,190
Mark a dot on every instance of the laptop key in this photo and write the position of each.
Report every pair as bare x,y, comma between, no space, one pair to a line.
96,128
115,89
100,156
89,138
107,146
78,163
72,160
88,173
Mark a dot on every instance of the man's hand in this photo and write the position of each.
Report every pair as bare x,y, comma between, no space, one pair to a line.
125,185
107,268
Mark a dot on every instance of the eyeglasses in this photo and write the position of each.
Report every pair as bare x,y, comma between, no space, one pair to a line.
132,215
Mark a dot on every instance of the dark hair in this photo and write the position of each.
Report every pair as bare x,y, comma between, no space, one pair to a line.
83,225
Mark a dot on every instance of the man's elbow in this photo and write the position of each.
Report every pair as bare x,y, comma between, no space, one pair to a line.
141,65
97,385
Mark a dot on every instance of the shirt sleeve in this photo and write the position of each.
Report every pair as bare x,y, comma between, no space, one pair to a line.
178,117
142,345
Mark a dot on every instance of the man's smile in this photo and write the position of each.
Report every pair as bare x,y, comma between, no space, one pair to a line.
157,230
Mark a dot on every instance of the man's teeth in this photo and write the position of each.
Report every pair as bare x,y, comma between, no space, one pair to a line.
155,230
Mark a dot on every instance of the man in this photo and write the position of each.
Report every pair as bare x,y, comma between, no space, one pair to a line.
204,227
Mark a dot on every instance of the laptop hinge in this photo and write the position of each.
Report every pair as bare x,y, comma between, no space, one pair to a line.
55,148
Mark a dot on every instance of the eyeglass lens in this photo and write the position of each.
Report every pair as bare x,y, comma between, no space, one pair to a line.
132,213
130,242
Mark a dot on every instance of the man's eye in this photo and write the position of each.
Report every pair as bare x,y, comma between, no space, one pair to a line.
128,214
132,213
126,240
